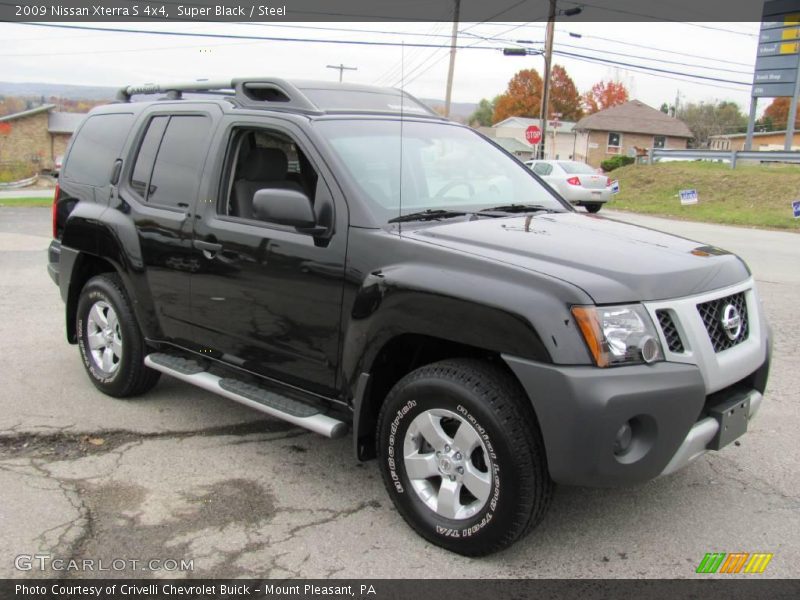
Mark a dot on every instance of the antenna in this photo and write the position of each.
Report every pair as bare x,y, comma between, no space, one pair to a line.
402,116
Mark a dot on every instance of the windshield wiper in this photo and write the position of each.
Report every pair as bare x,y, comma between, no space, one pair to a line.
427,215
520,208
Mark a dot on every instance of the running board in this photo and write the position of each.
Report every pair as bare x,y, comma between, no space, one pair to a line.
275,405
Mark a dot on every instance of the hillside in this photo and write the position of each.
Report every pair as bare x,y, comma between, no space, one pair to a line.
750,195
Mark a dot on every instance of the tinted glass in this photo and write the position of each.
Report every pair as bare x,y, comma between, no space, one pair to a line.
576,168
364,100
179,163
147,155
542,169
96,147
443,167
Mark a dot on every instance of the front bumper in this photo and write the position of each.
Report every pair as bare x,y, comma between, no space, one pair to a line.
581,410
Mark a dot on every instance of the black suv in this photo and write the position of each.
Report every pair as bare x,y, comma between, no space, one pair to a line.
341,257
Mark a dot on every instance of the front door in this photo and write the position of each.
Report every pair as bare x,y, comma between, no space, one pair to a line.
266,297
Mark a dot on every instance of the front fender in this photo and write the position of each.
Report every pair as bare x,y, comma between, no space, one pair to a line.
476,309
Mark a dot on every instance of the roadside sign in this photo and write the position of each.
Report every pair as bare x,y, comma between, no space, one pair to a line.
796,209
615,187
775,76
688,197
533,134
773,90
779,35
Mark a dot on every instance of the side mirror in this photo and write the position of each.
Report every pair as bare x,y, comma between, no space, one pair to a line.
286,207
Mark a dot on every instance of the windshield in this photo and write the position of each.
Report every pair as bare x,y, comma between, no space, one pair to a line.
443,167
576,168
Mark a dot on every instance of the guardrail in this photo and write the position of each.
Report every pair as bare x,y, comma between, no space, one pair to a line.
732,156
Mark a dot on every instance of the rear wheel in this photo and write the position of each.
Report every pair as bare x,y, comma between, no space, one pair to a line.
593,207
462,457
110,341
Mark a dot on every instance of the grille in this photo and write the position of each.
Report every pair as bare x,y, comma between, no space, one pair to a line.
674,342
711,313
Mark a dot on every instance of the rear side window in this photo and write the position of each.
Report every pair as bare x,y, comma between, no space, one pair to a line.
543,169
170,161
97,145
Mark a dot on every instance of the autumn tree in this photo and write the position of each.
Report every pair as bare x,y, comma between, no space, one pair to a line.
522,98
604,95
564,96
777,114
482,116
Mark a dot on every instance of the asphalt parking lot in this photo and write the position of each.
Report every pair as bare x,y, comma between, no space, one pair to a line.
181,474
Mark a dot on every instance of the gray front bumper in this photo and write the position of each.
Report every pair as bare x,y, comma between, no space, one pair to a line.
581,409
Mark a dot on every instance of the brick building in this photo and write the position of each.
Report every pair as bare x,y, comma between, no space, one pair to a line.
629,129
37,136
767,140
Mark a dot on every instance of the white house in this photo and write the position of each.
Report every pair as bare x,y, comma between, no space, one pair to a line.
560,142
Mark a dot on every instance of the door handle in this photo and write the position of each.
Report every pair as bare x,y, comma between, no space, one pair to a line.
209,248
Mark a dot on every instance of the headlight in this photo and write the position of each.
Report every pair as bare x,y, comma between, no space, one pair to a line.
618,335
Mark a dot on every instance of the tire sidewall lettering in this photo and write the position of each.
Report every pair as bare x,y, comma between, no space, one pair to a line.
395,432
92,297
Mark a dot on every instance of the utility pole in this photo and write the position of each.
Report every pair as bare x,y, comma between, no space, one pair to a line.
548,57
341,68
451,69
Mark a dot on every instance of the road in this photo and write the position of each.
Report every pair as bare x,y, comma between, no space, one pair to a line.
181,474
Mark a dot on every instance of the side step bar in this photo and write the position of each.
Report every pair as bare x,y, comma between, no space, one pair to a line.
275,405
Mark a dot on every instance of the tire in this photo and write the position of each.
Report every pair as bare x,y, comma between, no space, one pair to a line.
477,499
109,339
593,207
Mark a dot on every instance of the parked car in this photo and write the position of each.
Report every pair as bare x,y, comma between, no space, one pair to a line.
577,182
343,258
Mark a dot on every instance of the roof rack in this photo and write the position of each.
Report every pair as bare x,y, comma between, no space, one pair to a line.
250,92
279,94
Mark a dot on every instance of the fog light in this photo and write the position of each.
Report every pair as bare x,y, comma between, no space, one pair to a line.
623,440
650,349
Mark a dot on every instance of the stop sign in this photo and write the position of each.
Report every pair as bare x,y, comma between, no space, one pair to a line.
533,134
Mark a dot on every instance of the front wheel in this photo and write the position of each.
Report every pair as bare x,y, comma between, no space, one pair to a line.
109,339
593,207
462,457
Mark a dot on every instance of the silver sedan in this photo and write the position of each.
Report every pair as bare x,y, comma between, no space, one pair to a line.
576,182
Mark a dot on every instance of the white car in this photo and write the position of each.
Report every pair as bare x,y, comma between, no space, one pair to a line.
576,182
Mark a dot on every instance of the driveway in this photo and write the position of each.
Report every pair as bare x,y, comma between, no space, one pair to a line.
187,476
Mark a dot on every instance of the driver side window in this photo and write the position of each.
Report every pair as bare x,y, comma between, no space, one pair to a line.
263,159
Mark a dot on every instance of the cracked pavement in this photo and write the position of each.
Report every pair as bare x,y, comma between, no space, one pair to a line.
182,474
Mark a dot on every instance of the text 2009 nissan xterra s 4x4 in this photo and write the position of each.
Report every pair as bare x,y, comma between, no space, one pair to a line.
340,257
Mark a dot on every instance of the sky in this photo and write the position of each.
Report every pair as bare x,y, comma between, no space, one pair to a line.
719,50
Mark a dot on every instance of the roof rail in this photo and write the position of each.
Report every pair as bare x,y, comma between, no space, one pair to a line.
253,92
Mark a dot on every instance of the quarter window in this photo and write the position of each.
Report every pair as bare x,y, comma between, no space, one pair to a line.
96,147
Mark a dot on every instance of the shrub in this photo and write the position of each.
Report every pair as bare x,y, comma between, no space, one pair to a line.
616,162
15,171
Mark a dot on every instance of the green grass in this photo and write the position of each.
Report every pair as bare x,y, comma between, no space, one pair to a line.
750,195
26,201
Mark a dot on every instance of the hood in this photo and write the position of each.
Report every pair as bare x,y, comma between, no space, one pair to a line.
610,260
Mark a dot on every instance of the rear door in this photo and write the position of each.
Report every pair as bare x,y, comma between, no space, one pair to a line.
159,191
